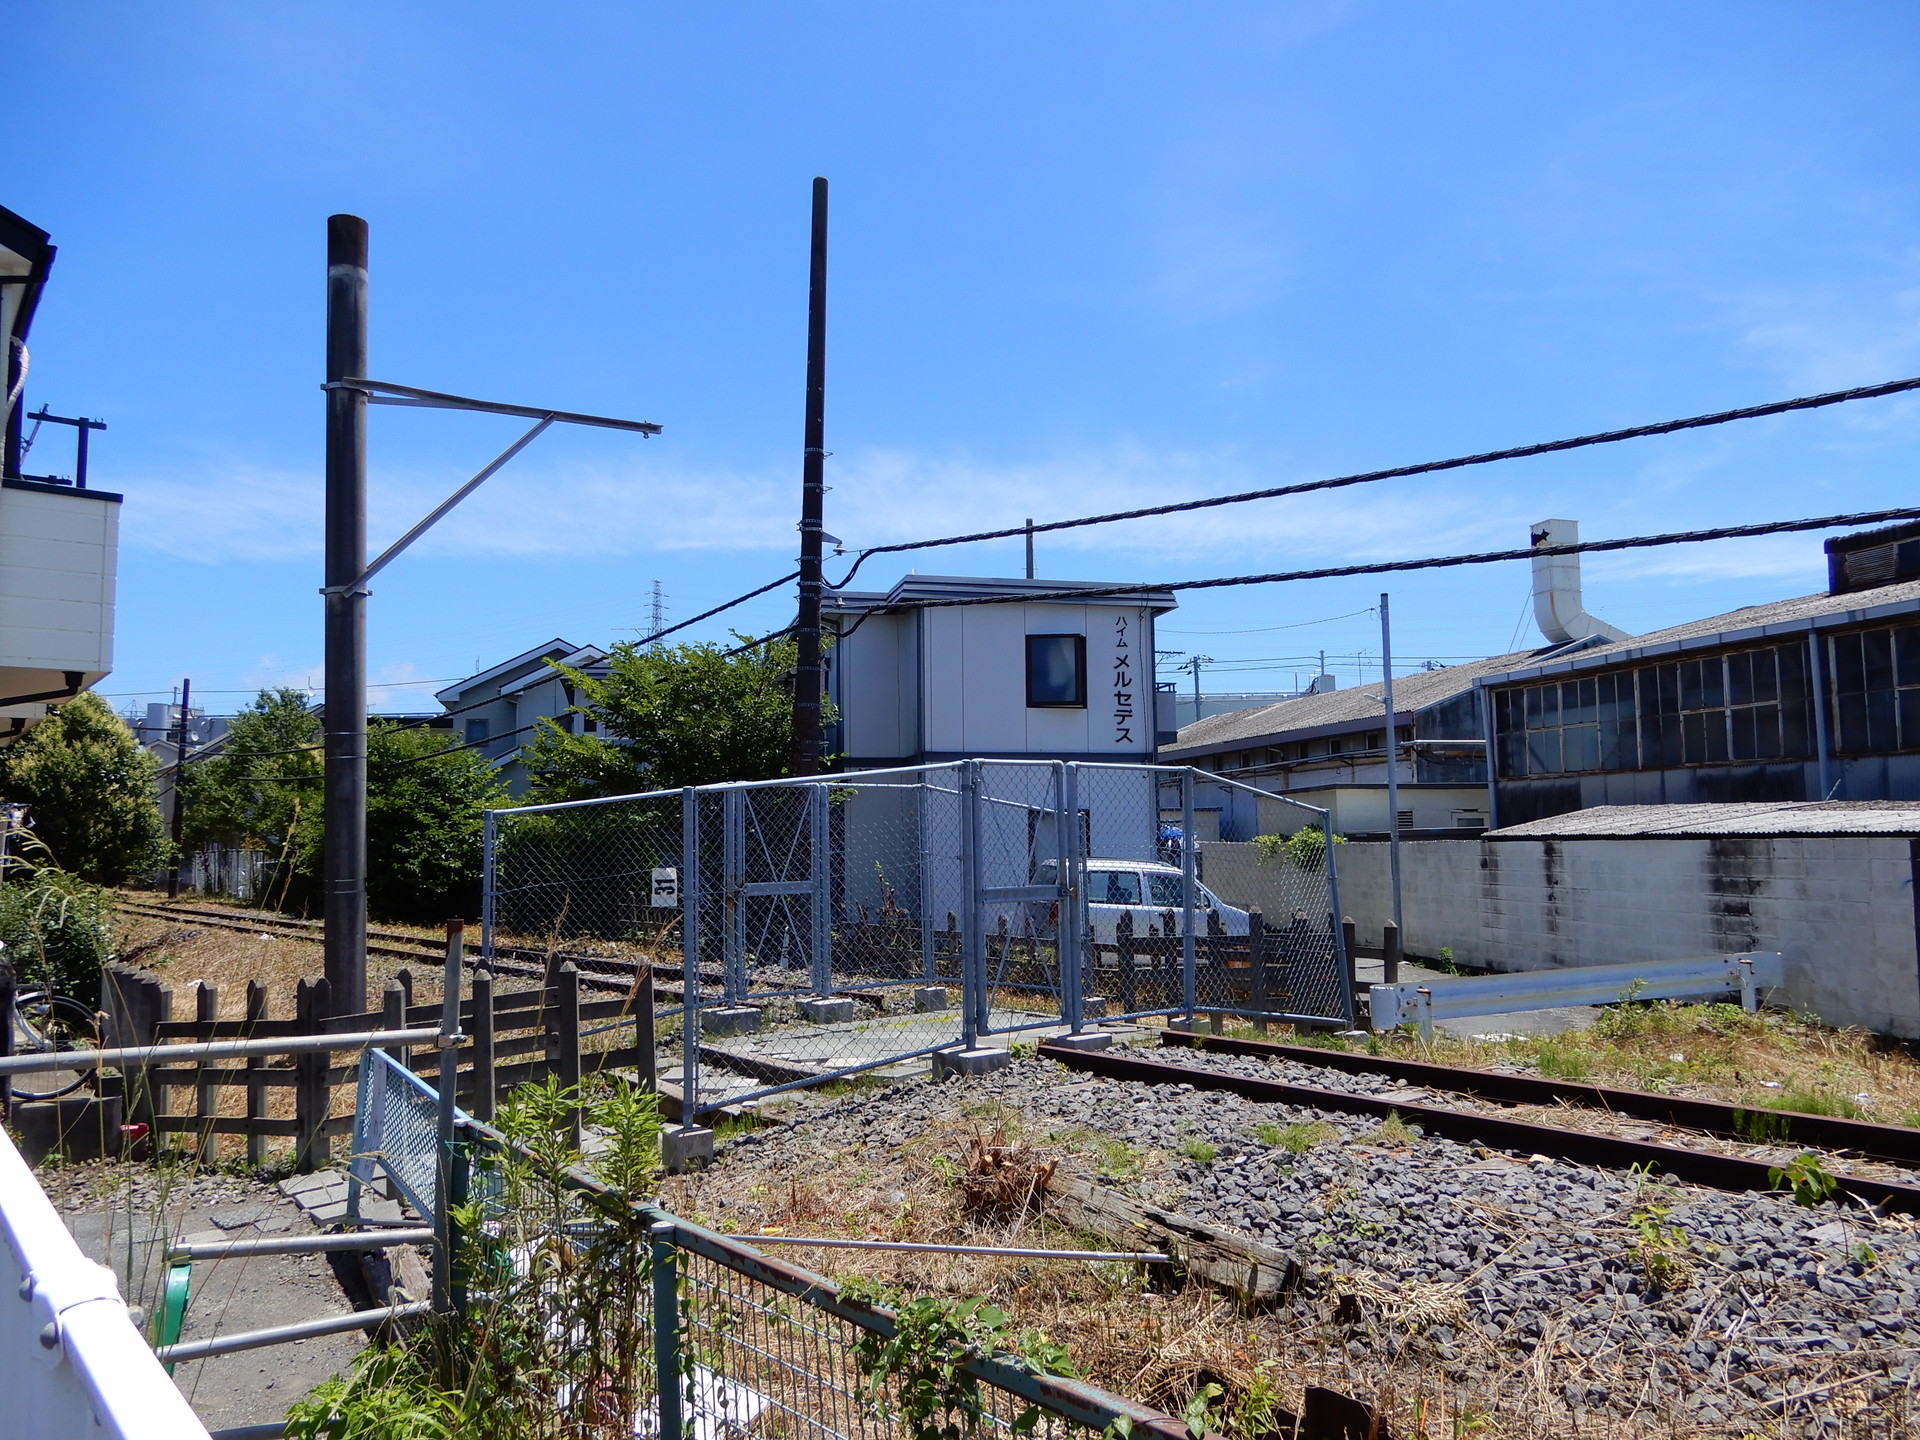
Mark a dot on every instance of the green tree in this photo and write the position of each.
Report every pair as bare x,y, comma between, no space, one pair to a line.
425,798
671,716
92,791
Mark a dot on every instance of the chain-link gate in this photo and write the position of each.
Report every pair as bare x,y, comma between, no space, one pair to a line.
846,923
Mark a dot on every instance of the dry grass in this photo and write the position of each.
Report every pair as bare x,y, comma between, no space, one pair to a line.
1359,1332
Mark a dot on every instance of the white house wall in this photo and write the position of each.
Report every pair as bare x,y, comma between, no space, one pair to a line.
58,562
974,679
875,689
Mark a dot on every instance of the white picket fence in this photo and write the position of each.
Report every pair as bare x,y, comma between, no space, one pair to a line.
72,1362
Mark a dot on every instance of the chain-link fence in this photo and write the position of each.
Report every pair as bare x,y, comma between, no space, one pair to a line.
826,926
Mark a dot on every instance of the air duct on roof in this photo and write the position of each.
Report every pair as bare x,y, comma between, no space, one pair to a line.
1557,606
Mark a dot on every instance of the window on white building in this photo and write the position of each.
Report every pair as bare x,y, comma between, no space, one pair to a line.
1057,671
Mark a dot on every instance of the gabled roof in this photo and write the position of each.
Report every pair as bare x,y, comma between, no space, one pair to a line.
1755,623
968,587
508,669
1273,724
585,658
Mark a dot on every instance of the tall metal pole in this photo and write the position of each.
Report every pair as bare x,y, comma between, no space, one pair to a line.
1030,547
806,633
179,784
345,806
1393,759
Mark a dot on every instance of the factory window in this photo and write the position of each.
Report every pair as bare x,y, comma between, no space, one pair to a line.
1876,690
1057,671
1750,705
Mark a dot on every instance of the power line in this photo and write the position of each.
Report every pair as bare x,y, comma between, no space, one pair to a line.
1267,629
1518,452
1438,562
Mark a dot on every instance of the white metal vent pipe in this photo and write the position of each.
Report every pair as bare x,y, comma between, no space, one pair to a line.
1557,606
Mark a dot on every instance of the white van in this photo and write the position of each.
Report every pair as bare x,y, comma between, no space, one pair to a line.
1145,889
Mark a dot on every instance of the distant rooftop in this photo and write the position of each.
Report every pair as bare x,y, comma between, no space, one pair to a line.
1757,819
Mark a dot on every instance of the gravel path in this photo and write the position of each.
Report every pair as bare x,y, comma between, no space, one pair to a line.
1607,1293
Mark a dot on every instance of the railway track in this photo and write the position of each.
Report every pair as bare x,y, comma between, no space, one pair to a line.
1893,1144
602,972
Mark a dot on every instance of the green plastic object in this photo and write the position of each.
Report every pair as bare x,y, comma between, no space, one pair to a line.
173,1305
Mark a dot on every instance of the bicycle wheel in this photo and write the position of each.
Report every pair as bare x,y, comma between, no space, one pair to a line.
51,1023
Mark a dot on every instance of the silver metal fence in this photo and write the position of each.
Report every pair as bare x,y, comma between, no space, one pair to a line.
831,925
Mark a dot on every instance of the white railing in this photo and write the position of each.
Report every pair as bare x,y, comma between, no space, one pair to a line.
71,1361
1412,1002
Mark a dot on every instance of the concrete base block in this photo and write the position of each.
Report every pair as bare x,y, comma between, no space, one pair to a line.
1198,1025
928,998
827,1012
1085,1040
731,1020
969,1062
1094,1007
686,1147
80,1127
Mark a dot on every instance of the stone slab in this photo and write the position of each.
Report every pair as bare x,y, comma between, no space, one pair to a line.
1085,1040
828,1012
731,1020
686,1147
970,1062
929,998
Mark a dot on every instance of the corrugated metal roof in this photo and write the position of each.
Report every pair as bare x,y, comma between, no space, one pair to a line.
1336,707
1808,817
1754,622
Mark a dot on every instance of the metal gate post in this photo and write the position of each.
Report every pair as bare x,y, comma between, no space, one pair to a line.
667,1379
733,950
973,962
1341,963
1189,987
821,874
489,835
1067,938
923,806
689,952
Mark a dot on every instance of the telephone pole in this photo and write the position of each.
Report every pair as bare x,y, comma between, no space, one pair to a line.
806,631
179,786
344,808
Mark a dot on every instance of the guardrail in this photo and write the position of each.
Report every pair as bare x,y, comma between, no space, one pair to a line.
72,1361
1410,1002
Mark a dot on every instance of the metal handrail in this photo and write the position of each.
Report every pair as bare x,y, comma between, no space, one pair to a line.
140,1056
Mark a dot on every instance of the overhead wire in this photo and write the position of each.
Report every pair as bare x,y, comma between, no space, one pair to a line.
1428,467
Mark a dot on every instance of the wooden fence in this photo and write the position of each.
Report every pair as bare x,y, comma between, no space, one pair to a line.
506,1039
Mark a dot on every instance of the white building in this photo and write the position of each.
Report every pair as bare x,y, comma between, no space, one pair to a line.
59,541
497,710
1037,680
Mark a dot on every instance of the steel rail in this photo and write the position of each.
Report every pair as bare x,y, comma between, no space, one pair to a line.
141,1056
299,1244
280,1334
1720,1172
1896,1144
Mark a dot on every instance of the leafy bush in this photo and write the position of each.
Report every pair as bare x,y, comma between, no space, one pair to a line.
90,789
1306,847
55,926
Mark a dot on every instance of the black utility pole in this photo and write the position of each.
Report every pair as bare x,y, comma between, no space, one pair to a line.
807,671
179,783
345,703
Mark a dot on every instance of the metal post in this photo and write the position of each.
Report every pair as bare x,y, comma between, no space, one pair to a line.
1393,758
1066,933
973,961
813,489
449,1079
820,911
80,454
483,1073
1189,981
1492,735
1342,960
1817,676
689,951
1030,547
345,708
179,777
666,1330
489,833
924,822
7,991
733,859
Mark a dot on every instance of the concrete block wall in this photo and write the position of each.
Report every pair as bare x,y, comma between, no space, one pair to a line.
1840,907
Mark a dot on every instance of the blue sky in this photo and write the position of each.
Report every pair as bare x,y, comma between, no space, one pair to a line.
1083,257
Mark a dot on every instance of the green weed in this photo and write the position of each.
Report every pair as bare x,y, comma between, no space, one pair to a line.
1392,1131
1299,1137
1199,1151
1811,1182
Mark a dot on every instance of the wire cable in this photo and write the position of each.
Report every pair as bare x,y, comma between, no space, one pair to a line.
1518,452
1437,562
